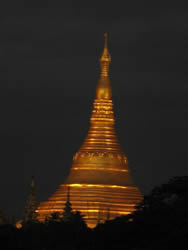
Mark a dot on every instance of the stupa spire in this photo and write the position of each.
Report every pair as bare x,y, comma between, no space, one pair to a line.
104,90
101,151
105,58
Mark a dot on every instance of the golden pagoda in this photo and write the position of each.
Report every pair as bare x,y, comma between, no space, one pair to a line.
100,183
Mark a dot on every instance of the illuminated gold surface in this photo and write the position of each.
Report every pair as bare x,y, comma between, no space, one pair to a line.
93,201
99,180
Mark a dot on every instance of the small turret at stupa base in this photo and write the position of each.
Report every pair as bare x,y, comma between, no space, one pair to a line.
30,214
31,204
100,181
67,213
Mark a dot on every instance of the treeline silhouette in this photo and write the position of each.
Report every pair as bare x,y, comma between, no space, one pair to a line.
159,222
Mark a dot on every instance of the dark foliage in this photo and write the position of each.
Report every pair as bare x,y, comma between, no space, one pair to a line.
159,222
55,233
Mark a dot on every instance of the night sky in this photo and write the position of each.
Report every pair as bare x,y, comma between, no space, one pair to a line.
49,68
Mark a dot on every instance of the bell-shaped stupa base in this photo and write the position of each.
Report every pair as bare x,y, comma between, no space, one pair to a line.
96,202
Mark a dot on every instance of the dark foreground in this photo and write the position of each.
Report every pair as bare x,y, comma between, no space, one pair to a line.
160,222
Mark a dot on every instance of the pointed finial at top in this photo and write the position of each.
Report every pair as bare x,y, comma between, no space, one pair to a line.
105,58
103,90
32,182
106,39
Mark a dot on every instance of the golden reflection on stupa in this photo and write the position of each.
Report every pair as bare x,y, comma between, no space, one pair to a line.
100,184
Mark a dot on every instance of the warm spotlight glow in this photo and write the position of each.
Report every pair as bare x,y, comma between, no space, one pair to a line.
95,185
19,224
102,169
